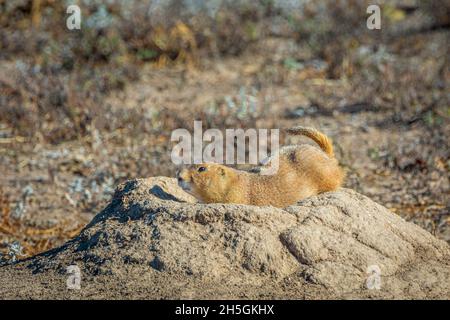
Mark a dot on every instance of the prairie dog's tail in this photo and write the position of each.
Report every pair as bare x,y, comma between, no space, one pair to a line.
321,139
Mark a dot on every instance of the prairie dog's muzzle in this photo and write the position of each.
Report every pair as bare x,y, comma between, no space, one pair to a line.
182,180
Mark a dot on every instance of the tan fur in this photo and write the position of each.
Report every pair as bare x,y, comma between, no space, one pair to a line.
304,170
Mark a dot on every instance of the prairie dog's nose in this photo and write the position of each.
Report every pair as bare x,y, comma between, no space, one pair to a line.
180,174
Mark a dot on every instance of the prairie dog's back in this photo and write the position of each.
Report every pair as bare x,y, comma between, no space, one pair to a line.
309,168
313,165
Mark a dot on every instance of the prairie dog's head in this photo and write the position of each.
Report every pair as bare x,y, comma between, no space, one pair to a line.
208,182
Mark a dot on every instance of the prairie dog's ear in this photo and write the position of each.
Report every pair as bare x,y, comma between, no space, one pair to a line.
221,171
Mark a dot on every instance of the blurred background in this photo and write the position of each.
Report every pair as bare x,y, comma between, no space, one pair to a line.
83,110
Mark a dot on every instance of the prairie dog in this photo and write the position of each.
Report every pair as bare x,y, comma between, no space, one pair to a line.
303,171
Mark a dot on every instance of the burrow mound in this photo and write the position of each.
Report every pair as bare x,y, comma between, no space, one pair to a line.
334,242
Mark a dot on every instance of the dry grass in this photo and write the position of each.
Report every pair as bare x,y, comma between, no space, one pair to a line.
32,240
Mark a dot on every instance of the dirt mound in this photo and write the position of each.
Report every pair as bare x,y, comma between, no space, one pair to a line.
154,241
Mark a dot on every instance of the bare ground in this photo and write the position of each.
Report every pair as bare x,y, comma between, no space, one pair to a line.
153,241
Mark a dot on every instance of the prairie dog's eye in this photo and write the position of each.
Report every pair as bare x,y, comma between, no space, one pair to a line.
201,169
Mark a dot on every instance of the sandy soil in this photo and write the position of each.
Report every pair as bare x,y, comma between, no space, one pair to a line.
153,241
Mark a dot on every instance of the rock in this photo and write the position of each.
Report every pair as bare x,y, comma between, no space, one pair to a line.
154,241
